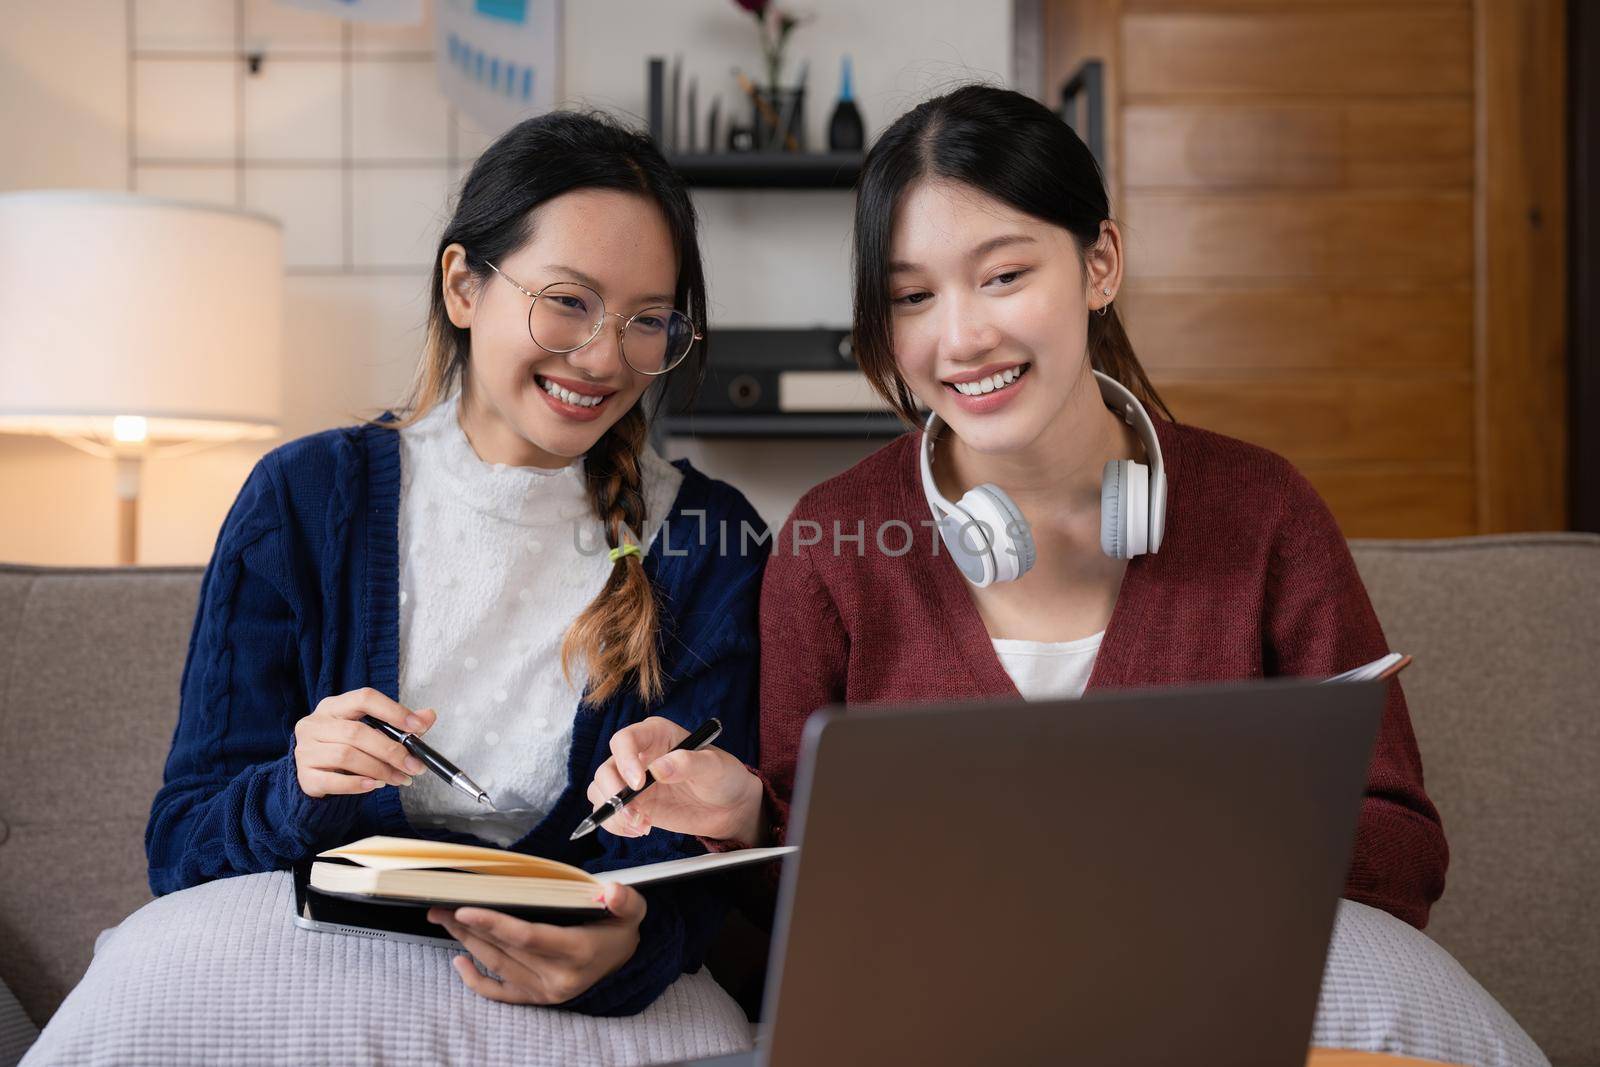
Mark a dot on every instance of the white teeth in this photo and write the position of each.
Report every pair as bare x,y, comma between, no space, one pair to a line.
568,395
991,383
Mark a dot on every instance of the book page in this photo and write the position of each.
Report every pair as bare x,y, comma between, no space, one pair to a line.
1368,671
692,865
456,888
409,854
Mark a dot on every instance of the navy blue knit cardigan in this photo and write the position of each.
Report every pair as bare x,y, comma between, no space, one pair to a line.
301,601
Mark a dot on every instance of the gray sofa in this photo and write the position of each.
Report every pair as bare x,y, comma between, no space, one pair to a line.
1505,696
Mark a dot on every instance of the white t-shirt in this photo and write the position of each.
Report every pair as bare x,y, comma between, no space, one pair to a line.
495,564
1049,670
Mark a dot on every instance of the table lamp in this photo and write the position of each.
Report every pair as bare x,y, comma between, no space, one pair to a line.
132,326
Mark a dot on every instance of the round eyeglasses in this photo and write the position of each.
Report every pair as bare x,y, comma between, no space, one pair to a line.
565,316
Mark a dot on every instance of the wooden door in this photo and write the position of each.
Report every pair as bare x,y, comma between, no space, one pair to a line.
1344,229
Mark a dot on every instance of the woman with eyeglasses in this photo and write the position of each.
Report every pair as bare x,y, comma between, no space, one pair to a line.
1051,529
505,567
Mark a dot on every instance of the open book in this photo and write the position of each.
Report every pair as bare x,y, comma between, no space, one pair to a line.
402,870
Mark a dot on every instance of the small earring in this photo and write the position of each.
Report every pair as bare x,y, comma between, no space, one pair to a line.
1103,308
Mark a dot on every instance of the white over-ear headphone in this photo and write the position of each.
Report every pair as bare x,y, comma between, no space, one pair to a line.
989,539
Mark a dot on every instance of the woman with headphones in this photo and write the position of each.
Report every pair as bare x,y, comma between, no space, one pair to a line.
1052,528
507,567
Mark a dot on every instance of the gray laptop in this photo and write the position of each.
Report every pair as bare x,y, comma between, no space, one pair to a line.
1137,877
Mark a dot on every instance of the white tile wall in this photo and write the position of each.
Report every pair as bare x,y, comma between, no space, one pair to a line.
310,204
210,479
351,338
64,89
797,274
184,109
397,215
293,138
183,26
397,111
376,38
471,140
292,110
771,474
270,26
205,185
350,345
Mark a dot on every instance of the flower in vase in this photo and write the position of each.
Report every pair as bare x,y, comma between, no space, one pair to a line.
773,24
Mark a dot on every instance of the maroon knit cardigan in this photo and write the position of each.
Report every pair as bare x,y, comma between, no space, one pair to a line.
1253,579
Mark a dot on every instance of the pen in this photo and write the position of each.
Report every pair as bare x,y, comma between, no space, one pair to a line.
703,735
768,113
431,759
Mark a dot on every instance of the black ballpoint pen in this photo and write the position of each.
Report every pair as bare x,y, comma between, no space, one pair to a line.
702,736
431,759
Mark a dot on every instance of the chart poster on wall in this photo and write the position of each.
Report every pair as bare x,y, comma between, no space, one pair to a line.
389,12
499,60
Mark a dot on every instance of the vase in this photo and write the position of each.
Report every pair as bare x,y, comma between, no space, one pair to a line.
788,106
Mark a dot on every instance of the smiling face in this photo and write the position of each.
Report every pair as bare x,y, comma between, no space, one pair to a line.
989,313
525,406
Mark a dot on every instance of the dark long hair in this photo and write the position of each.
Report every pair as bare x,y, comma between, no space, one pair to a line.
1012,148
535,161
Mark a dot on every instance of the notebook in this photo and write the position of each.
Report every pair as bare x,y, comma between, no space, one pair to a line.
384,885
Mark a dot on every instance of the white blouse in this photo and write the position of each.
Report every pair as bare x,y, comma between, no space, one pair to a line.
495,564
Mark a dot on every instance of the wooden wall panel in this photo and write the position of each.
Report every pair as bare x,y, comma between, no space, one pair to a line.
1323,420
1287,52
1274,332
1191,6
1297,207
1360,239
1342,228
1400,500
1409,144
1077,31
1522,263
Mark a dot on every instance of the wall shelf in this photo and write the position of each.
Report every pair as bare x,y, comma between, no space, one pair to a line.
769,170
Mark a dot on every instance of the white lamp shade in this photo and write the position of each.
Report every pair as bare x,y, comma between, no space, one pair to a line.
116,305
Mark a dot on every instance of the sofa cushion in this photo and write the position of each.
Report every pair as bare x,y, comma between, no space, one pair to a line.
89,667
1505,701
17,1031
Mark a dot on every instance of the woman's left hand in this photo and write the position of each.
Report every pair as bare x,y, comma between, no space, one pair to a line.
539,963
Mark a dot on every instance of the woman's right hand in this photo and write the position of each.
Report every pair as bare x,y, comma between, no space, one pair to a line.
707,793
335,752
